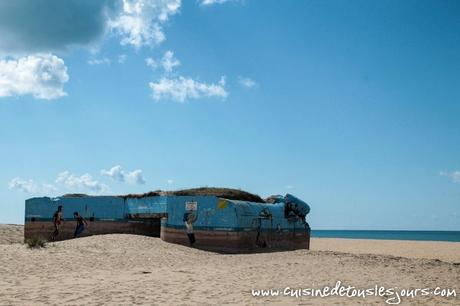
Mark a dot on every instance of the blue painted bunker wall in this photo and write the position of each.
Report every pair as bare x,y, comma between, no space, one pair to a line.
104,214
234,225
220,224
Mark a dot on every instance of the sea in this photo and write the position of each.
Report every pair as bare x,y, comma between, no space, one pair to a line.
453,236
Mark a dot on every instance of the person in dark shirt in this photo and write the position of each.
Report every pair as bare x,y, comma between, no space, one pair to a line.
81,223
57,222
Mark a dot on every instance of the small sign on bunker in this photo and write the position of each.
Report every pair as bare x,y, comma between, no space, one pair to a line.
191,206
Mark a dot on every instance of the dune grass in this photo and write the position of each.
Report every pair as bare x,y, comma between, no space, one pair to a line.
226,193
36,242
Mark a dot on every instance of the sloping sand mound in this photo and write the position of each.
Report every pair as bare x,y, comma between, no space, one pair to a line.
129,269
11,233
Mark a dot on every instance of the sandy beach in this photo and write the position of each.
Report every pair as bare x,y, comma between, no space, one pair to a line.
128,269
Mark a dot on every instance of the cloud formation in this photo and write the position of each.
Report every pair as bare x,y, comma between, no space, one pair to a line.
83,183
42,75
211,2
246,82
99,61
122,58
454,175
118,174
31,31
29,186
140,22
150,62
28,27
169,62
182,88
135,177
49,25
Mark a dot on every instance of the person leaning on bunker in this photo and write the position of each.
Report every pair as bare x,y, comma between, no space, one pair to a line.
189,219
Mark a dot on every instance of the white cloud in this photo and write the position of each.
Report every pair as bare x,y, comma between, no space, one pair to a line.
179,88
140,21
455,175
150,62
135,177
122,58
246,82
27,29
116,173
169,61
99,61
29,186
182,88
41,75
211,2
84,182
53,25
31,30
47,188
170,182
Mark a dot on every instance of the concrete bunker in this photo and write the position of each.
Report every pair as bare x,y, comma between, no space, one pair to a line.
221,220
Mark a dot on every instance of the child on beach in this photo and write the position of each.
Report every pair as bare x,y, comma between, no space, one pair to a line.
81,223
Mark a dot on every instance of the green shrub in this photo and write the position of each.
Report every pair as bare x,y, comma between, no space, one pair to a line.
36,242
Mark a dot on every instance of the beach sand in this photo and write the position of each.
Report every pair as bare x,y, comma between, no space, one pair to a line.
128,269
11,233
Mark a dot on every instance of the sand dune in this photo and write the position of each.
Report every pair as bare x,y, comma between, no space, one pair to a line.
127,269
11,233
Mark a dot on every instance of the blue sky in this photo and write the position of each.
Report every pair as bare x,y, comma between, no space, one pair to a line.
354,106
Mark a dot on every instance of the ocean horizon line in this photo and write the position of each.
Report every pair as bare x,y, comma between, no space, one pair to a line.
414,235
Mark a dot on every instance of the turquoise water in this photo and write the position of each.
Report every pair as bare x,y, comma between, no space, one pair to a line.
391,235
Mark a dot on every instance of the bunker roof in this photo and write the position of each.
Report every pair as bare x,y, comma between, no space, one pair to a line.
226,193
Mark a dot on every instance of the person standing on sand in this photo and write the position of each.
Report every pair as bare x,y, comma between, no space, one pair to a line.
57,221
81,223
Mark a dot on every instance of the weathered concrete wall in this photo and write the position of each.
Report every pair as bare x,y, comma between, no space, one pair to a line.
45,229
104,215
103,208
148,207
211,212
234,226
219,224
239,241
